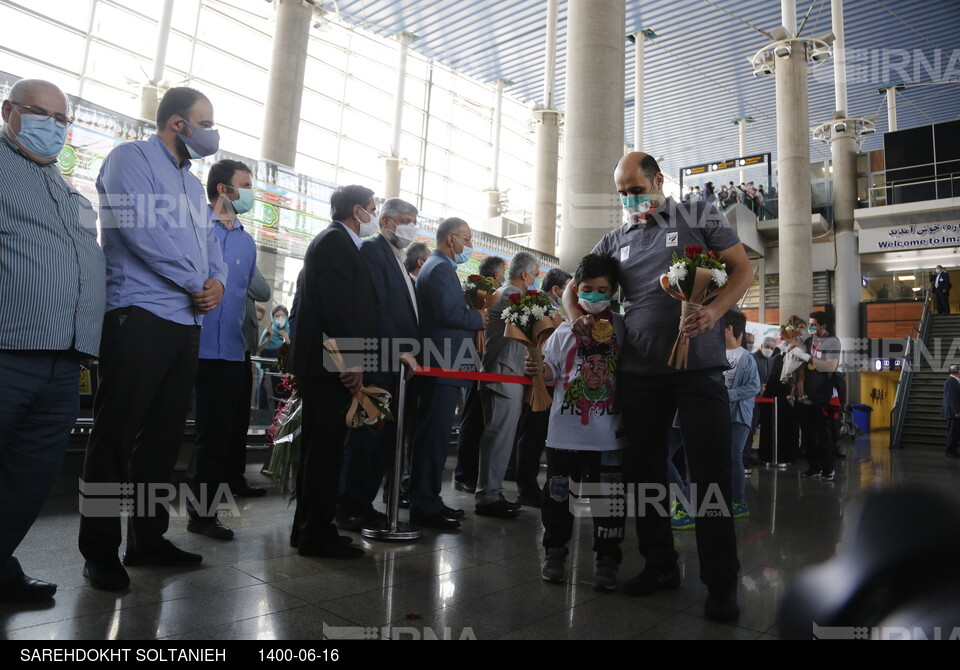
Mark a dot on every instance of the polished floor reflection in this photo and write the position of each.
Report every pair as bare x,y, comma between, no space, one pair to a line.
481,582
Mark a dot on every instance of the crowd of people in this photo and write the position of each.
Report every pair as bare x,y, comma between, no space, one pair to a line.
753,196
168,303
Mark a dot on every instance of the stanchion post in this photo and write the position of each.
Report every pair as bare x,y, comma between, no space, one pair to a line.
396,530
775,463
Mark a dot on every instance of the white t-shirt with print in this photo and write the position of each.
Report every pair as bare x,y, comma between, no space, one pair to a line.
585,415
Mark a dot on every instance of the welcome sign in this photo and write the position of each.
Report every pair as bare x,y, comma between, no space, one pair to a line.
907,238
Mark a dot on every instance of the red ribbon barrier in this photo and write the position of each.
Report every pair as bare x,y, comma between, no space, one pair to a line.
472,376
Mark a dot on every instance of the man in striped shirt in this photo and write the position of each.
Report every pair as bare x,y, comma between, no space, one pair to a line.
52,293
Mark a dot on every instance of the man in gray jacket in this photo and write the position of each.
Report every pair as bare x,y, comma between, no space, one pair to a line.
502,402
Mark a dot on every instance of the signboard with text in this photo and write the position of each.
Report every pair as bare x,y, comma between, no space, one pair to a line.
908,238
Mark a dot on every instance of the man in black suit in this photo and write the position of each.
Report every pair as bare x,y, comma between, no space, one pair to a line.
335,299
951,411
447,327
471,418
368,453
941,290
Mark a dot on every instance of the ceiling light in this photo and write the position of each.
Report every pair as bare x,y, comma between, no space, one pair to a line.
907,278
820,55
782,50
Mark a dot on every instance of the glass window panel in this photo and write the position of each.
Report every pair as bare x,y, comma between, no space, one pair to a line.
409,183
434,187
324,78
18,67
361,160
321,50
464,144
441,104
111,98
126,30
412,120
320,110
217,66
319,143
119,68
184,16
66,53
410,148
71,12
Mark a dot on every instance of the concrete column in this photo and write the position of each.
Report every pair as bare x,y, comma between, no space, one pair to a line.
891,109
150,92
281,119
843,147
742,135
495,133
638,39
391,180
544,236
793,151
593,125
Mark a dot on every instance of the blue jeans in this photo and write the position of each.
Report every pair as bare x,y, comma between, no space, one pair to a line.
738,480
39,402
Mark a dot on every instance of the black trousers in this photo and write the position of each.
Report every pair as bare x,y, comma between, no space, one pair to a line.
468,441
39,401
148,366
367,456
215,393
953,435
438,403
566,468
235,461
816,438
531,441
321,456
649,403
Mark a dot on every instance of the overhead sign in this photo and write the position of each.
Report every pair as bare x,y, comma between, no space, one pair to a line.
907,238
729,164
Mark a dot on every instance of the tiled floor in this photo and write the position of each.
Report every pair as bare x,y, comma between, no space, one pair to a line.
482,581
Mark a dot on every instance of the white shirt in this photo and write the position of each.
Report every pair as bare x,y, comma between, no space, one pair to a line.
401,256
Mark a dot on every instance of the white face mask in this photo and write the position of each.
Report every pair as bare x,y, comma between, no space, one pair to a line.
404,235
594,307
281,320
767,352
370,227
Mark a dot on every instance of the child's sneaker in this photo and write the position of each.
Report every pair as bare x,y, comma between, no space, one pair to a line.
682,521
605,578
555,565
740,510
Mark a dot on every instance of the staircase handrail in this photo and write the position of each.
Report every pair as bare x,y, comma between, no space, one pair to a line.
898,411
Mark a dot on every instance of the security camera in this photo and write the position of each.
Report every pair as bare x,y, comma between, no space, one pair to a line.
868,131
840,127
782,51
819,55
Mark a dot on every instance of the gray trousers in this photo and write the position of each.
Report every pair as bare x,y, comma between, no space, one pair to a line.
501,414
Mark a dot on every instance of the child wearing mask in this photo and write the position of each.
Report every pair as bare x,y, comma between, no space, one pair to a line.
585,437
275,336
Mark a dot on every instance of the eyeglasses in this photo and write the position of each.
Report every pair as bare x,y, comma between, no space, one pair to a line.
466,240
61,120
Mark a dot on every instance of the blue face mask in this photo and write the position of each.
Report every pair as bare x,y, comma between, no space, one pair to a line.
630,201
40,136
244,203
463,256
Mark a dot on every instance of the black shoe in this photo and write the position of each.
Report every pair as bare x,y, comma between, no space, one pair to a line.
106,575
453,513
439,521
652,580
811,473
404,501
498,510
244,490
25,589
952,453
463,486
530,500
721,605
515,506
357,522
338,549
211,528
828,476
166,556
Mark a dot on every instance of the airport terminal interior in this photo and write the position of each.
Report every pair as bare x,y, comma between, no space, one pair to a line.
826,131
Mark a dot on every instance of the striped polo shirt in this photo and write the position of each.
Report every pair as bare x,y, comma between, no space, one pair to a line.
52,271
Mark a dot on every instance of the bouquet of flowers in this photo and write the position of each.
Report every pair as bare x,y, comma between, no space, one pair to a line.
531,318
284,436
696,276
370,406
480,293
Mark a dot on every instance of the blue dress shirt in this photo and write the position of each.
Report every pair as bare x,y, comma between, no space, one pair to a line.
221,337
156,232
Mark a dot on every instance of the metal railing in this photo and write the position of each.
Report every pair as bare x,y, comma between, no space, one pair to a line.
889,193
898,412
